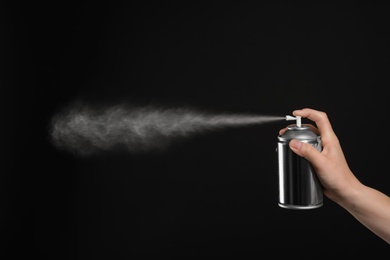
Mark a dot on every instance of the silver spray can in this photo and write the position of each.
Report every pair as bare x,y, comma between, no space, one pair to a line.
299,186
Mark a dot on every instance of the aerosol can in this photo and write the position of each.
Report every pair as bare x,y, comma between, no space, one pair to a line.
299,186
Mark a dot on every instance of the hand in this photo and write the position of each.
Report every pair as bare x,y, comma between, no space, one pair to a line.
330,164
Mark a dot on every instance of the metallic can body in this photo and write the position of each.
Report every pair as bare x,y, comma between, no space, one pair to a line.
299,186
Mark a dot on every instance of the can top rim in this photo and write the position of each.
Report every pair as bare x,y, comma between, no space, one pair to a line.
303,133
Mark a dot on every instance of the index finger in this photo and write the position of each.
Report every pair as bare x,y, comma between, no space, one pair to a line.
320,118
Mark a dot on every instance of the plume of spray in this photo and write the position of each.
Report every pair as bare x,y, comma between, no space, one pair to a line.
84,130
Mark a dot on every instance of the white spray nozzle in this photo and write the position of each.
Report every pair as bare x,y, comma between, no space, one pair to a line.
297,118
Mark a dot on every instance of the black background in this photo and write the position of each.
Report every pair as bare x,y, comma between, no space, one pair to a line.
210,195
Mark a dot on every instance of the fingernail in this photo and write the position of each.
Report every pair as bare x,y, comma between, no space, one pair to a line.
295,144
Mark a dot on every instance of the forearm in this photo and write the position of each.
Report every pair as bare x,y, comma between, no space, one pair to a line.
371,208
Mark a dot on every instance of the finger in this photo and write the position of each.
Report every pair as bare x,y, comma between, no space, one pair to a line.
306,150
282,131
320,118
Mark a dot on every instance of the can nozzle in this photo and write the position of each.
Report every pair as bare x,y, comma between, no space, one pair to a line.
297,118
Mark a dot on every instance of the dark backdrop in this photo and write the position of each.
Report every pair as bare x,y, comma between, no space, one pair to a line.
213,194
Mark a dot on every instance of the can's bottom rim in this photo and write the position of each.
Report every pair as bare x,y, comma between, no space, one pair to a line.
287,206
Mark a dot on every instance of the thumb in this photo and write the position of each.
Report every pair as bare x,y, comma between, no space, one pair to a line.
305,150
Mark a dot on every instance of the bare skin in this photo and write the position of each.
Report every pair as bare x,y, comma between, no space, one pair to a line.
369,206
